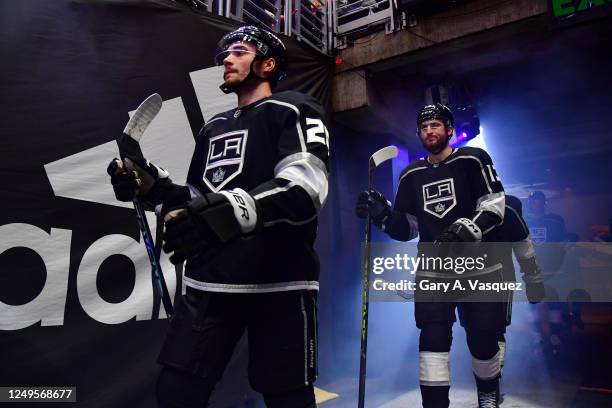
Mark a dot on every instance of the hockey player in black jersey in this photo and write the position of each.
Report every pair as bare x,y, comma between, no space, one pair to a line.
546,228
549,232
512,237
449,198
245,224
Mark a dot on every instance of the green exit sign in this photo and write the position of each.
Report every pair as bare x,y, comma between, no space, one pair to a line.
574,11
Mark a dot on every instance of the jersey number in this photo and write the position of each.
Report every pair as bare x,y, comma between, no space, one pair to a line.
317,133
492,173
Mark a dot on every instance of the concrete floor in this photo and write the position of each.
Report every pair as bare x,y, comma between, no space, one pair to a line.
559,396
534,377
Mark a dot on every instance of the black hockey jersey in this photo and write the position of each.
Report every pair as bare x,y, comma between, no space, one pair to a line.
433,196
464,185
548,233
511,237
547,228
275,153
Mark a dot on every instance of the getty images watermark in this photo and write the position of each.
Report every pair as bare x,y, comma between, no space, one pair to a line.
484,272
463,272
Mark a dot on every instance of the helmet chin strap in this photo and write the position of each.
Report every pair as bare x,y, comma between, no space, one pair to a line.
251,75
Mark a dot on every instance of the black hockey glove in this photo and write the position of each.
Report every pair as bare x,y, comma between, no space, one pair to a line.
451,239
462,230
208,222
138,177
374,203
534,280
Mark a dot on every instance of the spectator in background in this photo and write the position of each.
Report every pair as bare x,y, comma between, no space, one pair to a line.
548,231
601,234
544,226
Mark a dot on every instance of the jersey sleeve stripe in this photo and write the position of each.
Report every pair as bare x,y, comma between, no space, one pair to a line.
250,288
311,158
297,119
489,229
306,177
486,231
212,120
494,202
290,222
308,172
524,249
273,191
304,170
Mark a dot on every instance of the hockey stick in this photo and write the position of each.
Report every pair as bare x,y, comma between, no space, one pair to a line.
129,147
401,293
381,156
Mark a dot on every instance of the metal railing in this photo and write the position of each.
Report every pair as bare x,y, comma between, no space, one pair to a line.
309,21
353,15
322,24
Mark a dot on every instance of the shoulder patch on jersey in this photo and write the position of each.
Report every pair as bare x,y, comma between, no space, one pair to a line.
225,158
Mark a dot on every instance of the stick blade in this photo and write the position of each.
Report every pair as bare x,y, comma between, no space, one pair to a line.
382,155
143,116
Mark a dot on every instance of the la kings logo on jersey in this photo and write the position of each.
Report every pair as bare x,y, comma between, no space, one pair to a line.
538,235
439,197
225,158
218,175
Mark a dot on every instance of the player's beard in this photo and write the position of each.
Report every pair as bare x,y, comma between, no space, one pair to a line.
233,83
437,147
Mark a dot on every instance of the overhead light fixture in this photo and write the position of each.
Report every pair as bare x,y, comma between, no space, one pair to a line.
457,98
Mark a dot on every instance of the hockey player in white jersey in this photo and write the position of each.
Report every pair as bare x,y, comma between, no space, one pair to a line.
245,224
452,196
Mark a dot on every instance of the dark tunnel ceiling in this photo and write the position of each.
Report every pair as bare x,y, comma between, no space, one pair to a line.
547,91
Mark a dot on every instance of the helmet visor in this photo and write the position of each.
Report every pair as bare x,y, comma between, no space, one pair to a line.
236,41
236,52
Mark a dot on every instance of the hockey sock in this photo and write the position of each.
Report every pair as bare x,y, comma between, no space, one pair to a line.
434,373
486,361
301,398
179,389
435,397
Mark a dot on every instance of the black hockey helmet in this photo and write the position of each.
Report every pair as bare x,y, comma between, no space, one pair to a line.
537,195
267,45
435,112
